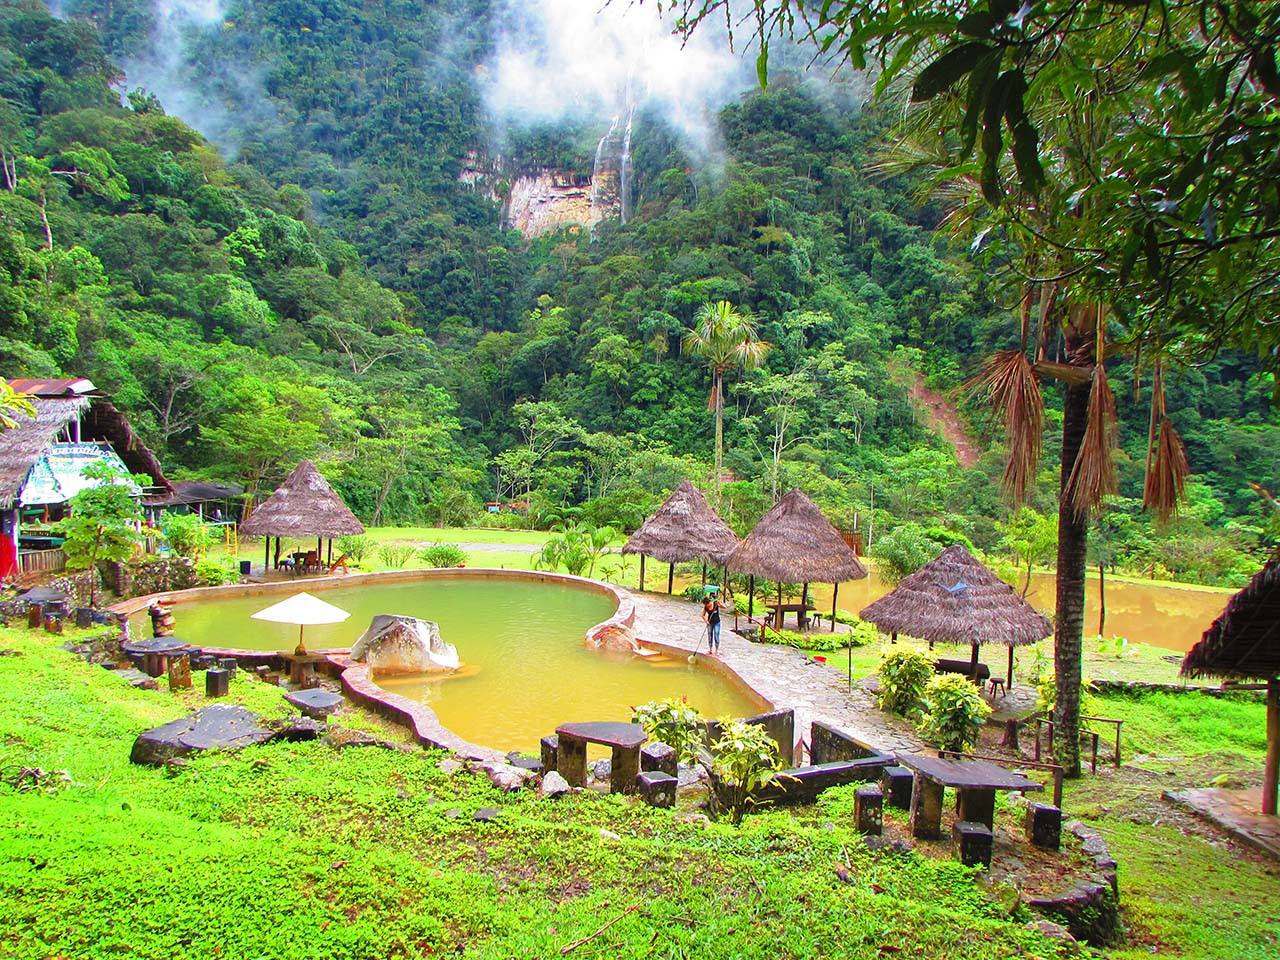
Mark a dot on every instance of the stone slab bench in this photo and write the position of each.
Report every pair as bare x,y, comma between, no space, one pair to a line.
962,667
803,784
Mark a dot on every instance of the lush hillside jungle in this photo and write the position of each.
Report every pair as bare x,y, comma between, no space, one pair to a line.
321,283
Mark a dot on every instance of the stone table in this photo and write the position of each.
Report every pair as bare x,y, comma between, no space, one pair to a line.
975,782
625,739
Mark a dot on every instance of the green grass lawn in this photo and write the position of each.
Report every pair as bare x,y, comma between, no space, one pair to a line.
300,850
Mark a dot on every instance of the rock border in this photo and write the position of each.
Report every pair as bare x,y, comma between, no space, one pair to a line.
1090,908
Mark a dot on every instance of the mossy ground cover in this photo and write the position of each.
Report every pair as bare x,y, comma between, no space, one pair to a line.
300,850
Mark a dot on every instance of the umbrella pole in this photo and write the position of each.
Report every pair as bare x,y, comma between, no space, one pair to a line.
704,574
973,664
1010,677
671,575
835,592
642,573
266,558
751,595
301,649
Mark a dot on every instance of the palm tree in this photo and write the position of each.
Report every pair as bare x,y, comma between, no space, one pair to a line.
726,339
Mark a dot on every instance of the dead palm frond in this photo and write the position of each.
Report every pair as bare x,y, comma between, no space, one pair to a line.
1167,466
1093,475
1008,386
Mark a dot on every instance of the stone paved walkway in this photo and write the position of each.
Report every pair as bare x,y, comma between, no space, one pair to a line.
782,675
1236,811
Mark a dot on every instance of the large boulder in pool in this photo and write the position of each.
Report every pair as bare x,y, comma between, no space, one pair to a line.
404,645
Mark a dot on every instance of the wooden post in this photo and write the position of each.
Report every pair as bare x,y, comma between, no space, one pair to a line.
1010,676
277,552
835,592
671,576
973,664
704,574
751,595
1271,773
266,559
642,573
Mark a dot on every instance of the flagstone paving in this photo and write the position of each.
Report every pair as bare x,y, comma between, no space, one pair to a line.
786,677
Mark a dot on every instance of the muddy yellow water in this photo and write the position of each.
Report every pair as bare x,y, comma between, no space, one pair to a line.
1163,615
525,667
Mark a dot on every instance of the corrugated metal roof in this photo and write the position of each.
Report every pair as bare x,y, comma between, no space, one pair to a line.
67,387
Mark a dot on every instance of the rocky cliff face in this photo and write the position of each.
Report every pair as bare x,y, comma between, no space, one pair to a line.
547,200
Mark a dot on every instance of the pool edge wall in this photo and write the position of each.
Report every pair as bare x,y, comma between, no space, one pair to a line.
356,682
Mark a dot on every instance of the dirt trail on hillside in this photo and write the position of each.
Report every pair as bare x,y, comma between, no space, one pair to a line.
941,415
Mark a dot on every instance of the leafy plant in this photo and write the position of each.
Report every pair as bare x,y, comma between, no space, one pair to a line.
746,758
215,573
396,555
1117,647
443,555
576,547
104,521
356,546
904,673
952,712
674,723
187,534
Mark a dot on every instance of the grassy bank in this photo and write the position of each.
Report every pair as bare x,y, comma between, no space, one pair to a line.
300,850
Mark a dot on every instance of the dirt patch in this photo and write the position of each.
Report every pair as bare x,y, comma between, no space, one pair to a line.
943,419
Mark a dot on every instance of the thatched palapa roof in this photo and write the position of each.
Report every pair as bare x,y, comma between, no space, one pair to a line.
684,528
954,598
1244,642
303,506
58,403
795,543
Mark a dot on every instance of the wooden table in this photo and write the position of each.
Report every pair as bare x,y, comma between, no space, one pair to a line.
975,782
801,610
625,739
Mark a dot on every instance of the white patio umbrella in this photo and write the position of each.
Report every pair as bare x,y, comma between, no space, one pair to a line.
302,608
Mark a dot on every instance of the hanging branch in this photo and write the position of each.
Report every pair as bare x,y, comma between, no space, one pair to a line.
1167,467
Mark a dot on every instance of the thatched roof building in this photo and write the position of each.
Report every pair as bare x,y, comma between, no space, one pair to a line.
684,528
74,423
954,598
1244,644
303,506
795,543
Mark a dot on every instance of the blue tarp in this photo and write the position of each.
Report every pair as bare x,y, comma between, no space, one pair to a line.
58,475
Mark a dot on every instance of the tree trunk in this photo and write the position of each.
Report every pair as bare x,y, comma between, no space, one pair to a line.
1068,640
718,398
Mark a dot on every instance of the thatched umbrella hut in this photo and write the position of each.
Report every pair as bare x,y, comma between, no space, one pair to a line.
954,598
1244,644
303,506
683,528
795,543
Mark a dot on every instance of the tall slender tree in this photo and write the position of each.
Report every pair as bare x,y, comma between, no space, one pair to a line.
726,339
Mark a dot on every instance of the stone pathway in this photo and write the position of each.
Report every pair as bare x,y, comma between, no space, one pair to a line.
1236,811
784,676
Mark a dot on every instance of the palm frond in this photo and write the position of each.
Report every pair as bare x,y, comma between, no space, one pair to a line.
1167,475
1093,475
1008,386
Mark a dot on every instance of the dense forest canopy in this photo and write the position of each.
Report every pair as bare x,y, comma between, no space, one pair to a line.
323,282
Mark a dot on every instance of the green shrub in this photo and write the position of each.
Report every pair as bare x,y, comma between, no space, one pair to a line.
904,673
443,555
746,758
396,555
672,722
355,546
186,534
214,573
952,712
862,634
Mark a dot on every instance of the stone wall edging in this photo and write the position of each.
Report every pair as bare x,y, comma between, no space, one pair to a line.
1146,686
1090,908
356,681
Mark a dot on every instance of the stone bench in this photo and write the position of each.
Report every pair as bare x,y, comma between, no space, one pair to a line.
962,667
803,784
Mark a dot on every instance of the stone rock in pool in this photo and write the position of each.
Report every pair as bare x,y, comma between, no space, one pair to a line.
221,726
404,645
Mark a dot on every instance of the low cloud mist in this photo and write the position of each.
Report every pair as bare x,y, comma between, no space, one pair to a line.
574,60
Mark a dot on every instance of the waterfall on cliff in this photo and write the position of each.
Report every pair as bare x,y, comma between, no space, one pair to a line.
598,175
624,167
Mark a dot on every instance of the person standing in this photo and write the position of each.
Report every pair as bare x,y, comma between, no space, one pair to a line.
711,608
